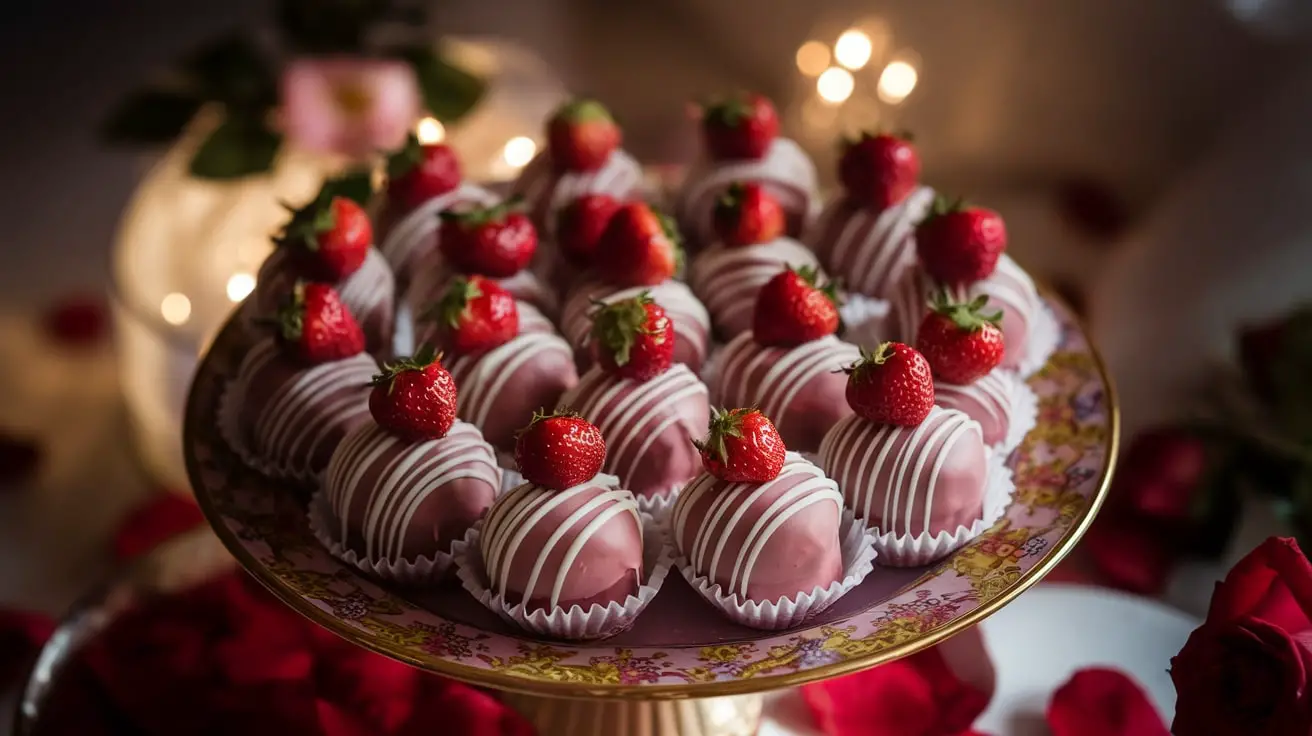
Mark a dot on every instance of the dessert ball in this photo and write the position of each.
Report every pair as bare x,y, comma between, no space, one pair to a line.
649,426
727,279
870,250
987,401
432,275
399,500
692,324
406,237
576,547
762,541
547,188
925,479
802,389
369,293
292,415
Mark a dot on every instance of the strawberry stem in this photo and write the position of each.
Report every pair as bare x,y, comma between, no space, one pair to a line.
424,357
724,423
541,415
453,307
616,326
966,315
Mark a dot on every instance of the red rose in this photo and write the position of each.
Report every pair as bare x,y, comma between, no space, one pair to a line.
1245,670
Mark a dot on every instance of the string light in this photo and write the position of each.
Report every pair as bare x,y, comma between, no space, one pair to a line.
835,85
812,58
175,308
430,130
897,81
519,151
853,49
239,286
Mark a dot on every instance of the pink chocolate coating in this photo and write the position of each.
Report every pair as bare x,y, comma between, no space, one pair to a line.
431,277
547,191
406,238
870,250
369,294
987,401
692,324
762,541
727,280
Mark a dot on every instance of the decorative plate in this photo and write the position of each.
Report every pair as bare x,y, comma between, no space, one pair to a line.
680,647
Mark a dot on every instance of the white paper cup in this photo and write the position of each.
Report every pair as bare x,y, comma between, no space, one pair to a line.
1024,413
230,401
420,571
1045,335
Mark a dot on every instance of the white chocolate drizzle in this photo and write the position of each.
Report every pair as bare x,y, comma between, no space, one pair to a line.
872,249
483,377
787,372
420,227
991,395
691,321
727,280
785,170
548,191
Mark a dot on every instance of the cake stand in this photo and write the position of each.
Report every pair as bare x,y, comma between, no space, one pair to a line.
682,669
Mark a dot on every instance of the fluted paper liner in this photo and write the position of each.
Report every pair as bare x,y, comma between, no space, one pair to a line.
420,571
658,506
1045,335
403,331
1024,413
906,550
858,554
230,430
598,622
863,319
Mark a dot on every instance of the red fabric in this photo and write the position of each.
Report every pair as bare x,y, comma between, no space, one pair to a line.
159,518
1102,702
77,320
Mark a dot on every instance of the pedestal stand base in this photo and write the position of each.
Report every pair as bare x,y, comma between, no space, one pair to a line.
739,715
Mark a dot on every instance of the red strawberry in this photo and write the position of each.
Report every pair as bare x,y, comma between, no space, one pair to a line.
639,247
960,244
741,127
746,214
415,398
581,135
633,338
792,309
317,326
580,224
419,172
961,344
879,170
497,241
331,235
475,314
742,446
891,386
559,450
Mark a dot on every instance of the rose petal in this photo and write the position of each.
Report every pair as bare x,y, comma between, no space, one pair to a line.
77,320
160,518
1276,562
464,710
1161,473
1130,554
1103,702
19,459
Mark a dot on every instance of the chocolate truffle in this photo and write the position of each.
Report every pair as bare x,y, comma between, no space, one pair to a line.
762,541
987,401
692,325
727,279
397,500
649,427
576,547
870,250
369,294
405,239
925,479
432,276
291,415
547,190
802,389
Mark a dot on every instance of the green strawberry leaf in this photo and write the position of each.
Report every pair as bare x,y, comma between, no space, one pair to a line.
237,148
449,92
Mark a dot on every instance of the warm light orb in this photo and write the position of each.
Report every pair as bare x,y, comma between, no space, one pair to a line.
897,81
239,285
175,308
430,130
853,49
812,58
835,85
519,151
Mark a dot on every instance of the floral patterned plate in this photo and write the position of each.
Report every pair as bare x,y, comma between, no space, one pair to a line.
680,647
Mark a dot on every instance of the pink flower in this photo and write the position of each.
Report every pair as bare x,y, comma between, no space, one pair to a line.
353,107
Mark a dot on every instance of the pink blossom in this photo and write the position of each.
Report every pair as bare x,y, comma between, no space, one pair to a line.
353,107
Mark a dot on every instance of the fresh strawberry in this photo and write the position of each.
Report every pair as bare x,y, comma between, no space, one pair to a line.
559,450
475,314
792,308
497,241
581,135
742,446
415,398
746,214
960,244
639,247
741,127
960,343
633,338
419,172
317,326
330,236
580,224
892,385
879,169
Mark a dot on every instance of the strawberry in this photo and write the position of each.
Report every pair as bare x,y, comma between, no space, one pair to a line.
633,338
581,135
746,214
879,170
742,446
639,247
580,224
792,309
317,326
891,385
331,235
419,172
741,127
961,344
415,398
475,314
559,450
960,244
497,241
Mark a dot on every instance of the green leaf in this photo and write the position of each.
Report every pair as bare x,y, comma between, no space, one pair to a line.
234,70
449,92
237,148
150,116
356,185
